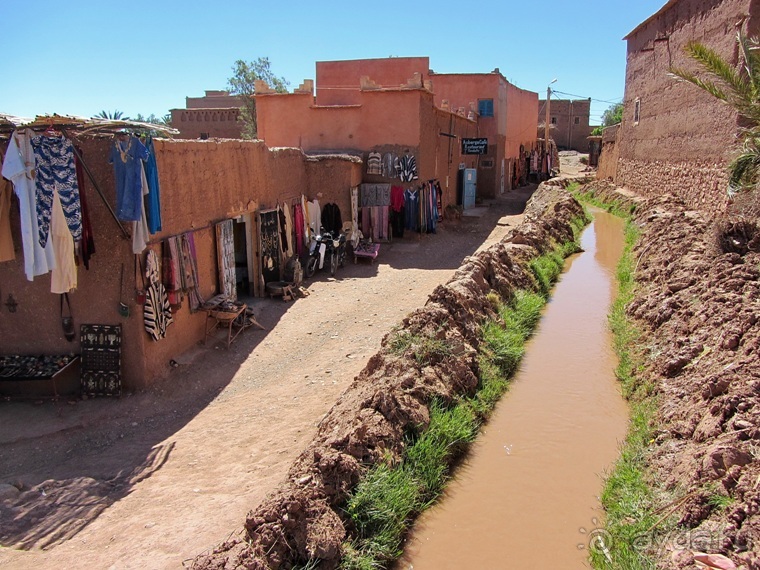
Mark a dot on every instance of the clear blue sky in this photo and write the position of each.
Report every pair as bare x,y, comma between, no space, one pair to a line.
83,56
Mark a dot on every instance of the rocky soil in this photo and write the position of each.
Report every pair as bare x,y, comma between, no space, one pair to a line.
302,520
697,304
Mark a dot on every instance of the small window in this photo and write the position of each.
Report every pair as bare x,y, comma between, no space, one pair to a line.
554,120
577,120
204,136
485,107
636,111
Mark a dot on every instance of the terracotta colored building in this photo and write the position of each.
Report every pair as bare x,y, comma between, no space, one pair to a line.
569,122
202,183
400,105
675,137
213,115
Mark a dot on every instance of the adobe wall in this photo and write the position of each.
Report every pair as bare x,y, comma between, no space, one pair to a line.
608,159
567,134
701,184
338,81
216,123
522,108
202,182
682,131
384,117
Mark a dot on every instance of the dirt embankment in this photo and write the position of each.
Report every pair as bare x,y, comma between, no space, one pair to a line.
301,520
698,304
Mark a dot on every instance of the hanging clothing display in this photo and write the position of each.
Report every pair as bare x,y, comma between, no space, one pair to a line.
56,174
189,268
7,252
157,313
332,221
63,277
412,209
170,271
397,218
225,251
127,154
375,195
315,217
299,224
153,203
19,167
390,165
373,163
283,230
290,249
407,168
140,231
87,245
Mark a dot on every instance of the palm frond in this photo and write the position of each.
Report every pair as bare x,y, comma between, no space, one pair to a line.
749,49
709,86
715,65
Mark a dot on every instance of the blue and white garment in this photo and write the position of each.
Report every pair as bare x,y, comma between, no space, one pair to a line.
56,172
126,157
407,168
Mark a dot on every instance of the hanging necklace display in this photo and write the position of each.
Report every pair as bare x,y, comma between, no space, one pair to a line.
124,152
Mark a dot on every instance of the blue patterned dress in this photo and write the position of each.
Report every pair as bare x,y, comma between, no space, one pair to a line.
56,172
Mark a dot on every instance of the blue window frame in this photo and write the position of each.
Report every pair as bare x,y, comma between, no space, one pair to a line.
485,107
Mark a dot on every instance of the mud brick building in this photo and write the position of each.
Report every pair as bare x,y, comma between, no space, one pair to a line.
399,105
569,122
674,137
213,115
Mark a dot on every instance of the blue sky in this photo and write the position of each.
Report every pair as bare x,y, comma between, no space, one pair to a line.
80,57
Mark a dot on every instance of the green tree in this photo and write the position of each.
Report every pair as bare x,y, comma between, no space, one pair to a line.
244,75
612,116
165,120
739,87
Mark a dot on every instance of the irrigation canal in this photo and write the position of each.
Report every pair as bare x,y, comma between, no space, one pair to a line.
527,494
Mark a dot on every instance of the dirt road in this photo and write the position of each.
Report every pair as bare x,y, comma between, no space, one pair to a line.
152,479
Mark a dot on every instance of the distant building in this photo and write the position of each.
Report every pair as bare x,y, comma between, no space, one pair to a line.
213,115
569,122
400,105
675,137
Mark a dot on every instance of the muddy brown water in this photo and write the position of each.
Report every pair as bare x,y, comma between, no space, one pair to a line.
527,494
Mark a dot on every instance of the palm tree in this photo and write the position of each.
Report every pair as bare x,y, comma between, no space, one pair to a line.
740,88
114,116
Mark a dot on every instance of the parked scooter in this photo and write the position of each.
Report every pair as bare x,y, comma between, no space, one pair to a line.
326,248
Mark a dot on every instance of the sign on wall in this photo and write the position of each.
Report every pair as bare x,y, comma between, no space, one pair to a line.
475,146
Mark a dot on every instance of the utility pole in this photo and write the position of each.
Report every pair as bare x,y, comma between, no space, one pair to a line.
546,124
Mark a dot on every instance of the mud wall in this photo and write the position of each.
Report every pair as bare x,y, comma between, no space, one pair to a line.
566,132
608,159
202,182
679,124
702,185
301,520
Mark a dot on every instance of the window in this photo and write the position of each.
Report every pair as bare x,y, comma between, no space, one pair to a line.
577,120
554,120
636,111
204,136
485,107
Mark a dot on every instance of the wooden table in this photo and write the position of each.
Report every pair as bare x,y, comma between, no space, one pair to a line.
223,319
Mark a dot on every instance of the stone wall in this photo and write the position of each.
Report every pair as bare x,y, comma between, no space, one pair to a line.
701,184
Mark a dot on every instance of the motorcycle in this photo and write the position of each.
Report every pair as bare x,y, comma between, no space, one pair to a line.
326,247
